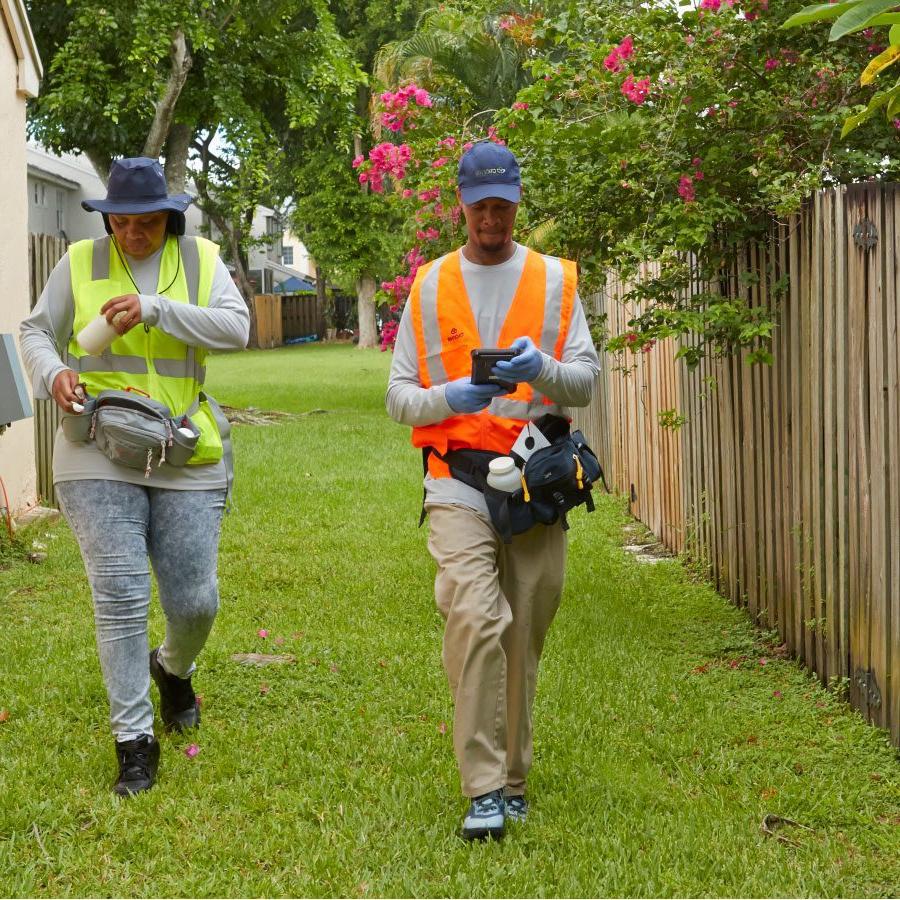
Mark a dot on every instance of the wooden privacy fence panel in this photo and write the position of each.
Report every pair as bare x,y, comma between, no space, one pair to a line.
639,458
786,479
276,318
44,252
265,322
301,316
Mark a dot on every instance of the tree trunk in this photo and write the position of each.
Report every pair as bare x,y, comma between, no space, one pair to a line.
101,163
165,106
365,304
176,156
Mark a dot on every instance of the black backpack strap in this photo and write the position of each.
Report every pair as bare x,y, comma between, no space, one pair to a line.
426,452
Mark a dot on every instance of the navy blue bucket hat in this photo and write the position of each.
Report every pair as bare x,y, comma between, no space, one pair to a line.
137,185
487,169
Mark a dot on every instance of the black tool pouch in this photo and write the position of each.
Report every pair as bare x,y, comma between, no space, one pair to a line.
556,479
560,477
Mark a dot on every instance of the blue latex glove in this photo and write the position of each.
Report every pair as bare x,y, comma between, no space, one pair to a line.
525,366
465,397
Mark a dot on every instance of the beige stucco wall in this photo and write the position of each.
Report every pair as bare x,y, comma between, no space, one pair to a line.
17,468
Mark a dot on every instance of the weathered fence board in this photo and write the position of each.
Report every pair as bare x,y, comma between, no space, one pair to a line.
784,480
44,252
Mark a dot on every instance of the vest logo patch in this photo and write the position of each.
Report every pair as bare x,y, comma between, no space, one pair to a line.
455,334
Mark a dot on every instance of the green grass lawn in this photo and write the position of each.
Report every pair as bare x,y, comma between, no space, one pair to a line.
666,727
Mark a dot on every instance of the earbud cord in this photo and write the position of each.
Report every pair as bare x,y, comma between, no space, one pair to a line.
131,277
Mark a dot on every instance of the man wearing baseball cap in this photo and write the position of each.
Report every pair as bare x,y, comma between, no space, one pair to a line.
497,599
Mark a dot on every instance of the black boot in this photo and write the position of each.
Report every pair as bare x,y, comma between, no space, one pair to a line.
138,764
178,702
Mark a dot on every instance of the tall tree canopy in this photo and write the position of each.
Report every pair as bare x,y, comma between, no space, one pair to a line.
228,83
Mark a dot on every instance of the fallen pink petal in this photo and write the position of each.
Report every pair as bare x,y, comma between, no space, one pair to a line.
191,751
262,633
763,661
776,694
442,728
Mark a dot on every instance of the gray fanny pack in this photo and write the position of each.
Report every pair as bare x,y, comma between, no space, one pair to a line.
134,431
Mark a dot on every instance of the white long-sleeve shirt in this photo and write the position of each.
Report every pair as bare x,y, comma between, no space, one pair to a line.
223,325
568,381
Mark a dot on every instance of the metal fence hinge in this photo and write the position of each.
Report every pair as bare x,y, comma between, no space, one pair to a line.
865,234
868,684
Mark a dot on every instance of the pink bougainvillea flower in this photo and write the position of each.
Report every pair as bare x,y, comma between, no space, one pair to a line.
686,189
191,751
612,63
440,162
262,633
520,105
711,5
897,124
771,63
635,91
358,161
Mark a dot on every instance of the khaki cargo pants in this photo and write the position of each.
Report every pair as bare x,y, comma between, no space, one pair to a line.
498,601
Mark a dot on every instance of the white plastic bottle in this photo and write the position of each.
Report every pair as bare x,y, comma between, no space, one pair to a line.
504,474
98,334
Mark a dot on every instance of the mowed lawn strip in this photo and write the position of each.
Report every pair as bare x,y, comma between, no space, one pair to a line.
667,727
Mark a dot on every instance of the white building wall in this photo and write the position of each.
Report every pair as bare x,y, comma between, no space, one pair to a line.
17,467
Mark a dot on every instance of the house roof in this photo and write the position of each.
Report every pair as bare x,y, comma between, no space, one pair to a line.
29,61
52,177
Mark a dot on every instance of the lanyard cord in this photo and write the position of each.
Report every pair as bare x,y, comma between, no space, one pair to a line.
128,270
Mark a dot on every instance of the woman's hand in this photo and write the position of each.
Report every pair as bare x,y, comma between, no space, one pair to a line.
123,313
66,390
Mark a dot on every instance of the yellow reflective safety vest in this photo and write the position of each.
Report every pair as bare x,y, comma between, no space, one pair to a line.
145,358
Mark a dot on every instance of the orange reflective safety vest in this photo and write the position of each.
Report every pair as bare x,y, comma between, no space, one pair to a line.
446,333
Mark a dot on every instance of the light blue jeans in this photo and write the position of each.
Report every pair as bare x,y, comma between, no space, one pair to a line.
118,527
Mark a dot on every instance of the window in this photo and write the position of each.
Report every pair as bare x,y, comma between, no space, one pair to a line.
287,255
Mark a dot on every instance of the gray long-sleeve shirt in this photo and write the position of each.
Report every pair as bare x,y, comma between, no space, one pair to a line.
568,381
45,334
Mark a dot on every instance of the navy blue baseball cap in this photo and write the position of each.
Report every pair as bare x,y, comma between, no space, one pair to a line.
487,169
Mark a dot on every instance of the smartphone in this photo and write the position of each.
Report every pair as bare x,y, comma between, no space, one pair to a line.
484,359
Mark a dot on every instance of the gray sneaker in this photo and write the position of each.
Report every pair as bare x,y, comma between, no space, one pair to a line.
485,818
516,809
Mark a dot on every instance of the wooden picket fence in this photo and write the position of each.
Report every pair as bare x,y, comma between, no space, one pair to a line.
44,252
785,479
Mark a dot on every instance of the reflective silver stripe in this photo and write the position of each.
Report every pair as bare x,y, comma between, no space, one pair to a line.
108,362
190,259
179,368
100,259
520,409
430,327
552,304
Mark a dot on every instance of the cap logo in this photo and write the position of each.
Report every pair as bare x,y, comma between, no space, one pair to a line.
480,173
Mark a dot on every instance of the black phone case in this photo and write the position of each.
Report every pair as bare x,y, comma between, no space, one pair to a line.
483,360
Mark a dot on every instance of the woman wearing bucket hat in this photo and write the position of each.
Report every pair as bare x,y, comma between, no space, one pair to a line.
170,300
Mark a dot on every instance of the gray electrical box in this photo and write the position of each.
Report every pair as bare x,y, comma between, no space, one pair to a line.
14,402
